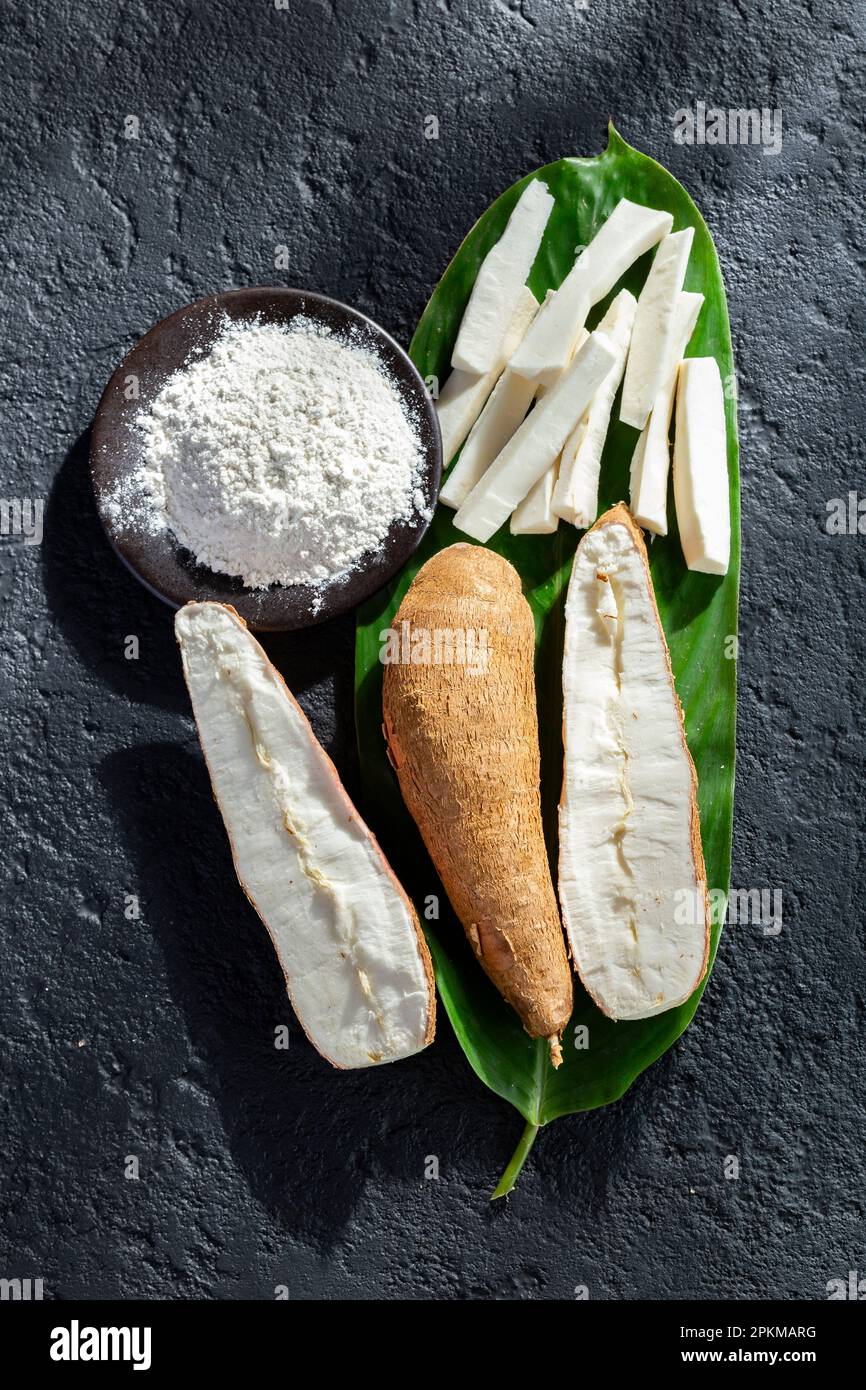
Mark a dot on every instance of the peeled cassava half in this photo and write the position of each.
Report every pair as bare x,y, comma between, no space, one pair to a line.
632,882
356,965
462,731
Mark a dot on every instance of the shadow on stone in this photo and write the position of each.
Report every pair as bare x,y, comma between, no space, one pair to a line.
97,604
304,1135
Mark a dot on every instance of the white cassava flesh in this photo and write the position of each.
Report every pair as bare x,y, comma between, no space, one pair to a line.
500,280
355,962
462,398
701,490
535,446
651,460
654,328
535,516
632,883
629,232
504,412
575,497
548,346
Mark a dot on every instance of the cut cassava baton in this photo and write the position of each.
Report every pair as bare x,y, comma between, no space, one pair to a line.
650,464
549,345
463,739
575,496
347,938
462,398
632,883
500,282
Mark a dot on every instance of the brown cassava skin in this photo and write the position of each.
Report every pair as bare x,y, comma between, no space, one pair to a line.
465,749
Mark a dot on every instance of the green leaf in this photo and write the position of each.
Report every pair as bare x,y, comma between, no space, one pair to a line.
699,614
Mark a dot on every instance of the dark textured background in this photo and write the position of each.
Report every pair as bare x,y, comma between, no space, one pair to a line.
304,127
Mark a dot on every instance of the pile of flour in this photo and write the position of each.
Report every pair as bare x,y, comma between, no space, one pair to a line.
281,457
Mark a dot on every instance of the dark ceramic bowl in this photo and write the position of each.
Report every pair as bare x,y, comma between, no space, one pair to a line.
162,565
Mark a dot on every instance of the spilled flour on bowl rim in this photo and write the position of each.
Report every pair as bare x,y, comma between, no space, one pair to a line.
282,456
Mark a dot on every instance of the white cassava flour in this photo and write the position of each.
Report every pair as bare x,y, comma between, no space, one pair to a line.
280,457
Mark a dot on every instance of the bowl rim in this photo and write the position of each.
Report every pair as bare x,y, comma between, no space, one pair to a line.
157,560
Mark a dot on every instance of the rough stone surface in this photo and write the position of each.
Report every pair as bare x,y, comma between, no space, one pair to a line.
303,127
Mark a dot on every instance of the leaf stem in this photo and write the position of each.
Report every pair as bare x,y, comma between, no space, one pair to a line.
508,1181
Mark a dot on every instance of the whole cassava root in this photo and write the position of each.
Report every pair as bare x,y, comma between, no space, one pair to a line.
463,738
